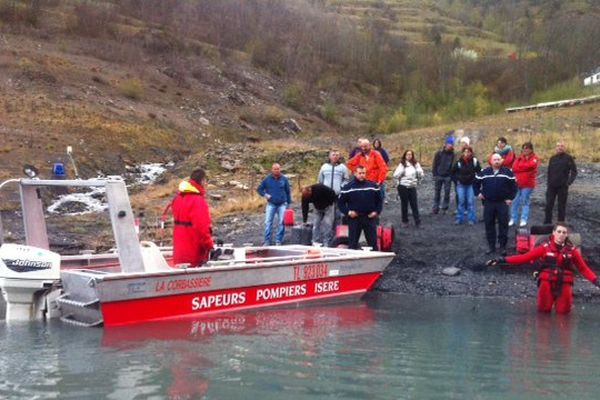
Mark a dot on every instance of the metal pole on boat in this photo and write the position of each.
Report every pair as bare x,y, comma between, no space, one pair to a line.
1,227
70,154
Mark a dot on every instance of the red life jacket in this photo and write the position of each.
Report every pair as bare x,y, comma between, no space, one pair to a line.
557,264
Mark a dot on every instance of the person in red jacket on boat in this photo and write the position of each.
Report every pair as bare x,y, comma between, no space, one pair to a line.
557,258
192,232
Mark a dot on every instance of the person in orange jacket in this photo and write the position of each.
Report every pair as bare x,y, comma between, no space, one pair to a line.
371,160
557,257
192,232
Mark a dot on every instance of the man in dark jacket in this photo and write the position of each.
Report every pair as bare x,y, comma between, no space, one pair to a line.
192,239
276,189
562,172
464,171
442,173
361,201
497,186
323,198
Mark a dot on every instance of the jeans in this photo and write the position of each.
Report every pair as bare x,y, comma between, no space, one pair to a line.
323,225
524,197
439,182
270,212
466,200
408,196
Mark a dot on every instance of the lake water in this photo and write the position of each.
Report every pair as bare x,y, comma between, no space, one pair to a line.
386,347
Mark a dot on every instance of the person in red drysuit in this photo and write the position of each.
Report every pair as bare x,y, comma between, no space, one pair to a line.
192,232
555,277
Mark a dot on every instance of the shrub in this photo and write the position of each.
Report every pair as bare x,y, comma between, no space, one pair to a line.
565,90
132,88
273,115
329,112
293,96
91,19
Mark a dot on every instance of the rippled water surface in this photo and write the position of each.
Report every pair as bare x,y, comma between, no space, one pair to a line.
387,347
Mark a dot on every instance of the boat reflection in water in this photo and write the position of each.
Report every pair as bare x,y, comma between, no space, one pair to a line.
302,329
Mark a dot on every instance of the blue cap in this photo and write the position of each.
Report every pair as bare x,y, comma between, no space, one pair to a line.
450,140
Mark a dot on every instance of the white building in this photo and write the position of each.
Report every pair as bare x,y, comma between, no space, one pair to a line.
593,79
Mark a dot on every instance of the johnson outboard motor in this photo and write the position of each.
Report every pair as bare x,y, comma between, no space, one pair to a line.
28,275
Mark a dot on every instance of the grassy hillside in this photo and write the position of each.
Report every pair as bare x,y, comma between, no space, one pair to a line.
206,83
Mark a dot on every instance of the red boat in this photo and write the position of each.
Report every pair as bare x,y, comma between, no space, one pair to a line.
136,283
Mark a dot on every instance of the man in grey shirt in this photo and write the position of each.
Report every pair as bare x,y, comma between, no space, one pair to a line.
334,175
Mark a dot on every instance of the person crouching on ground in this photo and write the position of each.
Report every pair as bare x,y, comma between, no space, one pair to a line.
323,199
555,273
464,171
276,189
409,173
525,169
497,186
192,232
361,201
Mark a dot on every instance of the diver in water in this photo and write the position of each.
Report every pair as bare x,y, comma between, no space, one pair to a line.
557,259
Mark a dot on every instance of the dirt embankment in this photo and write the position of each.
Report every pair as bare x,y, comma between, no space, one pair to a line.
422,253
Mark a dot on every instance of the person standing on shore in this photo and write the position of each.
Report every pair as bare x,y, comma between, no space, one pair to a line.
372,161
506,152
497,186
464,171
442,175
409,173
525,169
377,146
555,274
275,188
361,201
192,231
562,172
334,174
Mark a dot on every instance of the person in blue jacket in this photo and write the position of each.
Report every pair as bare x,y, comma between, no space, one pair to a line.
498,187
275,188
361,201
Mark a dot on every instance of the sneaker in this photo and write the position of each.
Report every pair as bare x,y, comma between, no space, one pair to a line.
277,243
471,222
266,244
457,222
511,222
523,223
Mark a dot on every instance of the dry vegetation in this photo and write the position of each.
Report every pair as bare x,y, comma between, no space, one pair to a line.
140,81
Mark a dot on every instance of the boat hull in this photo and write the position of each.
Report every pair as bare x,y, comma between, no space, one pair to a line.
265,278
124,312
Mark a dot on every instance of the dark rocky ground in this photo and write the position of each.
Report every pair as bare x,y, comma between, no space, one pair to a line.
422,253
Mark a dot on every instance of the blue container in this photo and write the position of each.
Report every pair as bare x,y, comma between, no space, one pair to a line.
58,170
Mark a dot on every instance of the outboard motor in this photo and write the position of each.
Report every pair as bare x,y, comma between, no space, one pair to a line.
27,275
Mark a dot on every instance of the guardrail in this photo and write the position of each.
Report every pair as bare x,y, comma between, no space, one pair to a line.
555,104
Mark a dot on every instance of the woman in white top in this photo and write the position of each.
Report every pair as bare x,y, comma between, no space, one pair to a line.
409,173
